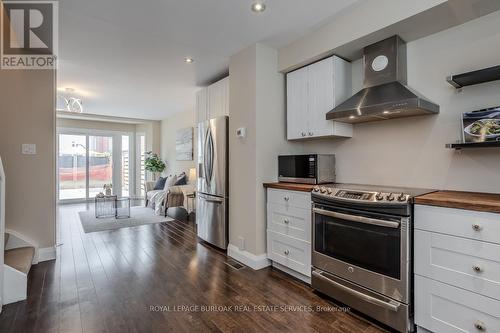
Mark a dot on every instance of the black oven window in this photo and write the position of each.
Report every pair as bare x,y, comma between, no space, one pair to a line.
371,247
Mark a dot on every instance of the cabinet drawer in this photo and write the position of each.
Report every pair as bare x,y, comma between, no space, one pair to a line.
453,260
289,198
290,252
442,308
290,221
457,222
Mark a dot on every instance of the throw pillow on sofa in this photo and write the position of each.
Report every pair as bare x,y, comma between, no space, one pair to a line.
181,179
171,180
160,184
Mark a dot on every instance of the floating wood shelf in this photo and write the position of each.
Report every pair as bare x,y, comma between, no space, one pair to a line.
475,77
464,145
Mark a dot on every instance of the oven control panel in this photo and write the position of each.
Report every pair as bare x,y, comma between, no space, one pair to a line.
354,195
361,196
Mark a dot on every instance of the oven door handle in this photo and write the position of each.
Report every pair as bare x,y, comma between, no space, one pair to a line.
355,218
386,305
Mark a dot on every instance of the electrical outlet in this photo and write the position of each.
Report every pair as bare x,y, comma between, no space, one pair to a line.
241,242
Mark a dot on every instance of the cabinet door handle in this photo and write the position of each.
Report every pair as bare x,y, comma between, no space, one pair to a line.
479,325
287,252
477,269
286,198
286,221
476,227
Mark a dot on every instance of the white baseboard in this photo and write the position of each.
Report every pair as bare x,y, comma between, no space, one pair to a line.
253,261
306,279
45,254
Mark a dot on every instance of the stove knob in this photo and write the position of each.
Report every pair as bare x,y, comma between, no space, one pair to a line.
316,189
379,196
323,190
329,191
390,197
402,197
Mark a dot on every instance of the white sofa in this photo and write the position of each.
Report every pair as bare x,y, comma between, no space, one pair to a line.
176,195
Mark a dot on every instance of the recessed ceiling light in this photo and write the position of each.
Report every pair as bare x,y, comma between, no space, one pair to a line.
386,112
352,117
258,7
188,60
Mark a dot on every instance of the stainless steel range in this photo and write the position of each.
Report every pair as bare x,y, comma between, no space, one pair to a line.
362,249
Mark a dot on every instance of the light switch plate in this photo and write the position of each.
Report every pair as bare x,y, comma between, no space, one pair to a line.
29,149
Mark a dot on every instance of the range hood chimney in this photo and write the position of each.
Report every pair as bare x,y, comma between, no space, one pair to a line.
384,94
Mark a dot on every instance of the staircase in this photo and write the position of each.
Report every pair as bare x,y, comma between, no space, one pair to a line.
18,258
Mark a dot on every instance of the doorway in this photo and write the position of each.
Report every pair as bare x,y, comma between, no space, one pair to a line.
87,161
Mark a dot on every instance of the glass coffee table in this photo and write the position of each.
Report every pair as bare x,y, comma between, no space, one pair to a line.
112,206
122,208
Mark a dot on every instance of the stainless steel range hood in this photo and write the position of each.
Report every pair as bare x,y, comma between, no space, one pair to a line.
384,94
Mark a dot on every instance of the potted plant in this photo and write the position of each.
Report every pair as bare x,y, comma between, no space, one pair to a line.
154,164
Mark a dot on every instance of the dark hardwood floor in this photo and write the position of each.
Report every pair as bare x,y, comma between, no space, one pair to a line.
157,278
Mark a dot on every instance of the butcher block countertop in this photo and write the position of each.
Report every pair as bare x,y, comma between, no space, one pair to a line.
483,202
290,186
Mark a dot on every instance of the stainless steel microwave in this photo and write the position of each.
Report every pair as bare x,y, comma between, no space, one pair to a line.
307,169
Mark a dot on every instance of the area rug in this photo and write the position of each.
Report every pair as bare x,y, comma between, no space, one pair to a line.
138,216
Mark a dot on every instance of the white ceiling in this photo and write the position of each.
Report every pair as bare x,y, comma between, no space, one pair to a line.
126,57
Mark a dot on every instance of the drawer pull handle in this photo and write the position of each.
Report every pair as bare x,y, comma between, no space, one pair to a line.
287,252
479,325
286,198
476,227
477,269
286,221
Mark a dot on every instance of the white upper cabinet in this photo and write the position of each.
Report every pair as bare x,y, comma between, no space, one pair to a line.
213,101
314,90
201,109
297,104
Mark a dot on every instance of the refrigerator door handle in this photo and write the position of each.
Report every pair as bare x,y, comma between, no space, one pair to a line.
209,157
217,201
205,157
200,170
211,199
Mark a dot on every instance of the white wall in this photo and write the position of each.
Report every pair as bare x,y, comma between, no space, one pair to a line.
360,20
169,128
256,102
27,115
242,152
152,129
95,125
411,152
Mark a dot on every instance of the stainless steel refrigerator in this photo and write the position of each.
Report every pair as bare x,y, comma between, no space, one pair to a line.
212,185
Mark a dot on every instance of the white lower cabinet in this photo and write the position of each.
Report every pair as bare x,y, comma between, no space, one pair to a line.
457,270
443,308
289,252
465,263
289,232
290,221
